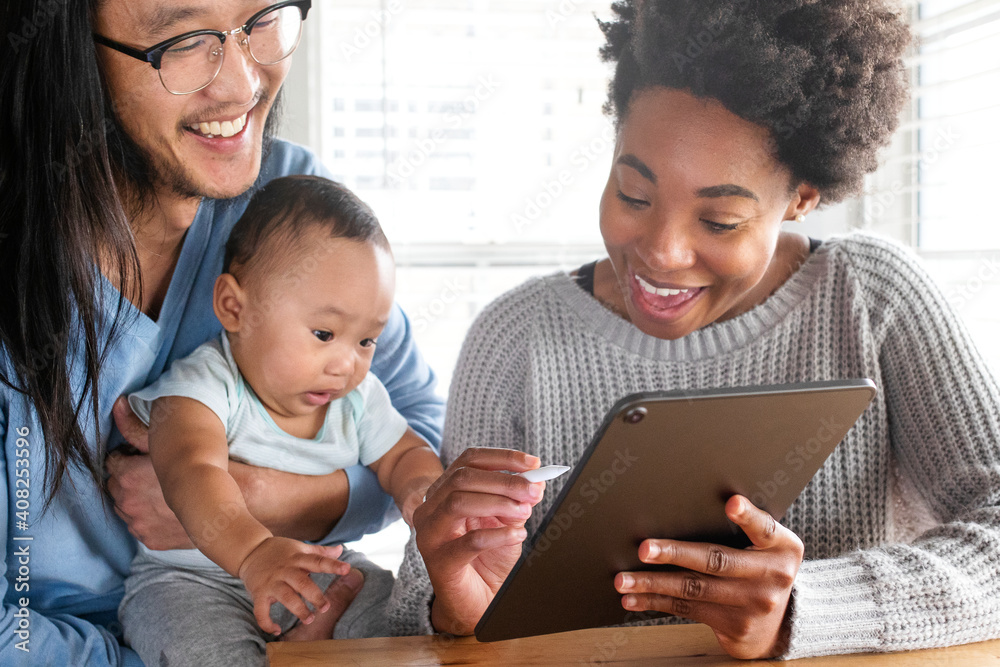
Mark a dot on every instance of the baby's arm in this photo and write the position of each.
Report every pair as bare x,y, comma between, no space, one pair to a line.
406,472
188,449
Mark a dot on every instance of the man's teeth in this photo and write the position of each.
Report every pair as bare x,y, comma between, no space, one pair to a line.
660,291
226,128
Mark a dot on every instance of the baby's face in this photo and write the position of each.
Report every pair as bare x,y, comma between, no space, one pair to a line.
307,335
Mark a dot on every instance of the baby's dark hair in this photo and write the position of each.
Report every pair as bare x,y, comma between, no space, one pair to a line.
826,77
285,208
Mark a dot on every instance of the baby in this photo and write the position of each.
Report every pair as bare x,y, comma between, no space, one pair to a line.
306,289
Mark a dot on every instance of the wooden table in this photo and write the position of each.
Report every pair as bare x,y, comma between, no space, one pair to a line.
680,646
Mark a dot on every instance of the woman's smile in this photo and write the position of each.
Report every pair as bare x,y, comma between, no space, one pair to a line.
663,303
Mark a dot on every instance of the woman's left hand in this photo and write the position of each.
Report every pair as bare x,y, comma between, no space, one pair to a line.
742,594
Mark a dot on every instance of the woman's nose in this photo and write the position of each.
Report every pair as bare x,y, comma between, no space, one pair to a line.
669,246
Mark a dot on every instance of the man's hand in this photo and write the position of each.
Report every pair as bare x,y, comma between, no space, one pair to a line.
136,490
304,507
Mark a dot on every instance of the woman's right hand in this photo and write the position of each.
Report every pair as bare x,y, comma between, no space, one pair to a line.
470,529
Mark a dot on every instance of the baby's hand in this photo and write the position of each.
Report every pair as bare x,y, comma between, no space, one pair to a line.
277,570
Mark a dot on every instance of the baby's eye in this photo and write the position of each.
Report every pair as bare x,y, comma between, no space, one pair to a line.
369,342
324,336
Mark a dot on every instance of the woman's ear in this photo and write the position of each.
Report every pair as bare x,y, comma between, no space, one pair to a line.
804,202
228,300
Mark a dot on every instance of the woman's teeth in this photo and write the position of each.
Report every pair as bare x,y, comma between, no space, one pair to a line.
660,291
225,129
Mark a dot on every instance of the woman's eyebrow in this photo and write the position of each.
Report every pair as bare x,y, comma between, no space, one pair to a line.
728,190
713,192
630,160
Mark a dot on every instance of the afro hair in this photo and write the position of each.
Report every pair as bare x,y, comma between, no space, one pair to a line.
825,77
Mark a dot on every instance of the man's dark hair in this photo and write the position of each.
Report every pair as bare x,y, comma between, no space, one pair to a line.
70,177
61,224
285,208
826,77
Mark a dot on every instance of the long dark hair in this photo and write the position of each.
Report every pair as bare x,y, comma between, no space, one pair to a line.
62,223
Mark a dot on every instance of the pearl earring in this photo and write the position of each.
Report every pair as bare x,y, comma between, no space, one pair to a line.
800,218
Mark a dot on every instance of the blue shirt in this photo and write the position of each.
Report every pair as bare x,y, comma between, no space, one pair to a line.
65,567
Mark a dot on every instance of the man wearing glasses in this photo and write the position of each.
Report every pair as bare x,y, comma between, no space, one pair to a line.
134,128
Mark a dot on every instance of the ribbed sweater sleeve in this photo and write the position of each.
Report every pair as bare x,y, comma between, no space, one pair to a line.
943,412
486,398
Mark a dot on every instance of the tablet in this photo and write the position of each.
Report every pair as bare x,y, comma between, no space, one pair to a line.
663,465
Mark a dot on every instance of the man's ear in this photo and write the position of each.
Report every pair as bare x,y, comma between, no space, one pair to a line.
228,300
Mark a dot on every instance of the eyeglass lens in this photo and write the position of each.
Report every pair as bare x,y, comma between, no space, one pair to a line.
193,63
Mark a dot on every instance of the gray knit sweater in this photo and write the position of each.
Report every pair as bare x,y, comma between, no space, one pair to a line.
543,363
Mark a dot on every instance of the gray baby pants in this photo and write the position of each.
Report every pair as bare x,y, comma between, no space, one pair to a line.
204,618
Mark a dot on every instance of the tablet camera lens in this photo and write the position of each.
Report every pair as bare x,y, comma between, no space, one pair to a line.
635,415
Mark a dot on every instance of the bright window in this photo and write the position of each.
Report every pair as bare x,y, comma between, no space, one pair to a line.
957,100
474,128
958,95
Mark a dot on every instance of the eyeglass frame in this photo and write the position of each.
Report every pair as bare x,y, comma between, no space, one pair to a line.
154,54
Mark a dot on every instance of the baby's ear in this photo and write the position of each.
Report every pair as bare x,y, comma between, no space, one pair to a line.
227,301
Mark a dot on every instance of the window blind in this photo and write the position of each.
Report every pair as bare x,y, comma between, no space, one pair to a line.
933,191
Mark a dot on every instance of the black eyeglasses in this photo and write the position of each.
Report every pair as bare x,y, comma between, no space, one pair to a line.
190,62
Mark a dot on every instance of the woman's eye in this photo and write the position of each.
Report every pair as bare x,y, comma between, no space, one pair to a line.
369,342
718,227
631,202
324,336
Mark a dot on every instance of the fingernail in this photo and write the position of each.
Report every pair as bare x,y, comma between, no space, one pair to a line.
524,509
630,602
654,549
309,620
537,490
628,581
325,607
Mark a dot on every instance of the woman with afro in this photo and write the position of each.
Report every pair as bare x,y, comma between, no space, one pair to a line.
733,118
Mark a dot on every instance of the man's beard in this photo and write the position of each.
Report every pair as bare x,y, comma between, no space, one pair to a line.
143,175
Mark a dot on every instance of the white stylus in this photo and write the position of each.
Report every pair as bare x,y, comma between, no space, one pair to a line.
544,474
